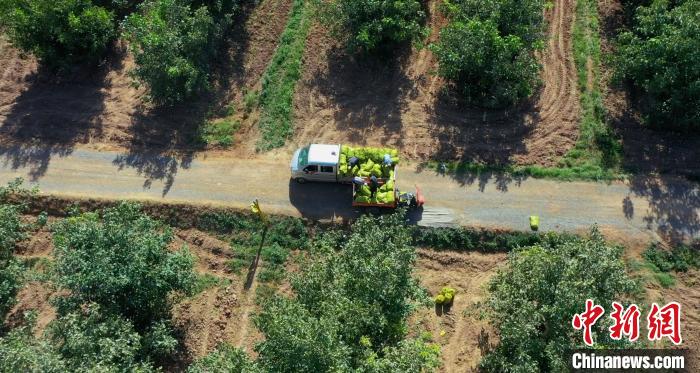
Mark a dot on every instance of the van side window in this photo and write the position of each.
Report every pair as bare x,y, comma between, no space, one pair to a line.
328,169
311,168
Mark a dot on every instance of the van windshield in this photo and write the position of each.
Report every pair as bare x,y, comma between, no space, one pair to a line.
303,157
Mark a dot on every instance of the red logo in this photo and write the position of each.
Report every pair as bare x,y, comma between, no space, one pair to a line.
661,321
587,319
626,323
665,322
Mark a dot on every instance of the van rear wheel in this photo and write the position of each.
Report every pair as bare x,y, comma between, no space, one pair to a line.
301,180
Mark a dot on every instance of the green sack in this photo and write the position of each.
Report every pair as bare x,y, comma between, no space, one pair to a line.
355,169
364,190
362,199
390,198
389,185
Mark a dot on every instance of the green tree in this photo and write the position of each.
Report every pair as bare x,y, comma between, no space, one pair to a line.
487,49
120,261
369,25
20,351
58,32
92,341
11,231
535,297
224,359
659,56
351,304
173,46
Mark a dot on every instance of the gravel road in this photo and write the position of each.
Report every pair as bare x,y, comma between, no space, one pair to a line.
642,207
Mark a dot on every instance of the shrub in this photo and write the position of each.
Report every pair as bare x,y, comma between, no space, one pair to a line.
60,32
486,50
659,57
369,25
680,258
172,46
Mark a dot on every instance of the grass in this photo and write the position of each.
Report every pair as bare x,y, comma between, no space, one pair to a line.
585,171
279,81
219,132
597,146
660,265
250,101
208,281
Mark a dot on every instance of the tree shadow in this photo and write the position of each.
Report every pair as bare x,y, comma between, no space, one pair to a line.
54,113
166,139
368,92
473,135
674,206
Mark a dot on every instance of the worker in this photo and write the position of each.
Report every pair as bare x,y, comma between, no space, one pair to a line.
387,160
420,200
358,181
373,185
353,161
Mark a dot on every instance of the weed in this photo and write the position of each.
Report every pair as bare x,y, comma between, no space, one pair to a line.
207,281
597,147
665,279
679,259
250,101
468,239
219,132
264,292
568,173
274,274
280,78
236,265
275,254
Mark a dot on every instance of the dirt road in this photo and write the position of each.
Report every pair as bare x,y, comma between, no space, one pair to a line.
643,207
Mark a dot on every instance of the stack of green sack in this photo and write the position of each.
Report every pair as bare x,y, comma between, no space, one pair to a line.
371,162
385,195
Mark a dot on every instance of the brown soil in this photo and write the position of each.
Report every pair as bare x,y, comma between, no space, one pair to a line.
347,99
645,149
464,337
687,293
101,108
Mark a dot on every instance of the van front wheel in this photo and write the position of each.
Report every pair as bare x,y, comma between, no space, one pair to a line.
301,180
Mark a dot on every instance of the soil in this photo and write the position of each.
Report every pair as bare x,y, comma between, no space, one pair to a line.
100,107
463,335
361,100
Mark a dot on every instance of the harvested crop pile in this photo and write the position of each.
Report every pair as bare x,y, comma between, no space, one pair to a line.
371,162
